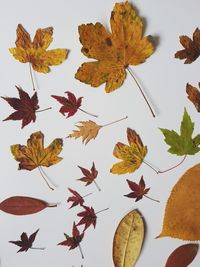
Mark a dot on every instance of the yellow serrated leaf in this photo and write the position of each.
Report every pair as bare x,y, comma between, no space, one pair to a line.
128,240
182,212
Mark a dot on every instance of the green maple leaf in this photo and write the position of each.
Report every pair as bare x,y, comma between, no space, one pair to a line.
183,143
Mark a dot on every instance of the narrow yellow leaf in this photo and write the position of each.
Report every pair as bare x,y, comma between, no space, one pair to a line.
128,240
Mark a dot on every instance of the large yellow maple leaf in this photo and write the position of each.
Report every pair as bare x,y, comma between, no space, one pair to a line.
113,51
36,51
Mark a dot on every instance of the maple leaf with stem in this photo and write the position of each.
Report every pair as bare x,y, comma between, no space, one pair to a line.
35,52
191,49
89,176
131,155
73,241
89,130
114,51
25,106
26,242
34,155
76,198
193,95
89,217
70,104
139,190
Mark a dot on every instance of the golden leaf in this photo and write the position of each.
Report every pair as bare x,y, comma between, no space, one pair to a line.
113,51
132,155
34,154
182,212
128,240
87,130
35,51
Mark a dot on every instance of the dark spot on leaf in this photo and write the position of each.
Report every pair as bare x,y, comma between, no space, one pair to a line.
85,50
108,42
112,15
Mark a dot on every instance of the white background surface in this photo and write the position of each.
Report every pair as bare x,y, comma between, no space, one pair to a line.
164,79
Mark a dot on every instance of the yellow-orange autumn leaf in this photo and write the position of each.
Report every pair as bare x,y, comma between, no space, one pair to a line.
131,155
128,240
182,212
34,154
35,52
114,51
87,130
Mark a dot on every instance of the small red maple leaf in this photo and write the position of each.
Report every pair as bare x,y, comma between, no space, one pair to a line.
139,190
77,199
70,104
25,107
89,176
73,241
26,242
89,217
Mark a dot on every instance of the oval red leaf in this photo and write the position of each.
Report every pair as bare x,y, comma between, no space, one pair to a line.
21,205
182,256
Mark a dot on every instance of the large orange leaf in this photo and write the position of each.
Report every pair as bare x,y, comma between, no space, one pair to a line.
36,51
113,51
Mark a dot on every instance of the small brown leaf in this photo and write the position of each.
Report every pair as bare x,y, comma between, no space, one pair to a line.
21,205
182,256
193,95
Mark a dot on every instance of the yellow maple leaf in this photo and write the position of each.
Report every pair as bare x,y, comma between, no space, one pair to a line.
113,51
35,51
34,155
132,155
182,212
87,130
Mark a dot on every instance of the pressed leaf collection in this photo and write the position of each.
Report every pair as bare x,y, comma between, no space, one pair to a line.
112,53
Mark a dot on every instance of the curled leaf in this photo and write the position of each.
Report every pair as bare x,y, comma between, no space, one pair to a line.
193,95
22,205
128,240
182,256
182,212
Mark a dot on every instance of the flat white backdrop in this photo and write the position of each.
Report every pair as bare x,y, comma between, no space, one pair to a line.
164,79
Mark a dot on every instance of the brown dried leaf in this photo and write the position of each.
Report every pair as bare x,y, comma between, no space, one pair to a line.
193,95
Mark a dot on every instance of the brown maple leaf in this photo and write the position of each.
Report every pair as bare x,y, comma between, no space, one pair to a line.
193,95
191,49
89,217
89,176
25,107
76,198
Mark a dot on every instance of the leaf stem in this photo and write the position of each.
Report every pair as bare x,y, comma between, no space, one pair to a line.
41,110
151,166
115,121
152,199
174,166
38,248
141,90
97,186
96,116
45,178
81,251
31,74
169,169
87,195
45,174
102,210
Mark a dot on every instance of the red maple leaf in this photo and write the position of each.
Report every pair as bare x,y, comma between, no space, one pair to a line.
139,190
73,241
70,104
77,199
25,107
88,217
26,242
89,176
